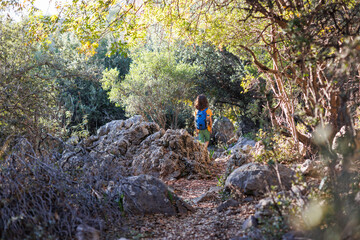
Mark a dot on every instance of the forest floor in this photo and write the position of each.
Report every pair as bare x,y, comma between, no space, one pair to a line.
206,222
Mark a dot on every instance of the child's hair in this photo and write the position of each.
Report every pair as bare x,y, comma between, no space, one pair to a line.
201,102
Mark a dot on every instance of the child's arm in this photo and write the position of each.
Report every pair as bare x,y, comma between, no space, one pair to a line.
210,123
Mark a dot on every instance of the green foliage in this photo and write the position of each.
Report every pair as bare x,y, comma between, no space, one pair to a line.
28,105
50,89
211,153
157,87
170,196
221,181
120,203
81,93
221,79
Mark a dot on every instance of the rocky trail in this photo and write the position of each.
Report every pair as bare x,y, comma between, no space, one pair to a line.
166,185
211,218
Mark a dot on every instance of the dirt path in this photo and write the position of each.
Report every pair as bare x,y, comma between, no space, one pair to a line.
205,223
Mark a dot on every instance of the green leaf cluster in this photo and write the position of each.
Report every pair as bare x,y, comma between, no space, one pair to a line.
157,87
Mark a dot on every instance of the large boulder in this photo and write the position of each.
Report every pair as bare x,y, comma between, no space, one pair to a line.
235,160
173,155
223,129
253,178
134,147
239,154
243,145
144,194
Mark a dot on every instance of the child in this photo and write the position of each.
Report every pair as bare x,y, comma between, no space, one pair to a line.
203,119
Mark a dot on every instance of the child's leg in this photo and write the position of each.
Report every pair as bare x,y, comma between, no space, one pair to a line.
206,137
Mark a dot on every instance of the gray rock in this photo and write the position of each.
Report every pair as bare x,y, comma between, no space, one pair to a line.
145,194
243,145
254,234
227,204
343,142
223,129
212,194
252,178
311,168
249,223
85,232
134,147
264,203
294,235
239,154
235,160
298,190
357,198
248,199
263,208
173,155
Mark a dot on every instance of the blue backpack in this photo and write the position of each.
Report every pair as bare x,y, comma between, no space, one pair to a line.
200,120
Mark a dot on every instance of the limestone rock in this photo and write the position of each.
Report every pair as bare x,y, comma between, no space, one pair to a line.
252,178
235,160
310,167
134,147
294,235
227,204
357,198
212,194
173,155
343,142
145,194
238,154
249,223
85,232
243,145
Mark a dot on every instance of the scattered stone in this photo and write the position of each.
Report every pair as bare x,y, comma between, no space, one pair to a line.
293,235
310,168
212,194
248,199
85,232
249,223
229,203
298,190
252,178
264,204
255,234
357,198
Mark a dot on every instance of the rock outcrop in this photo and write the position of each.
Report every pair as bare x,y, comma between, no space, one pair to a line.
134,147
